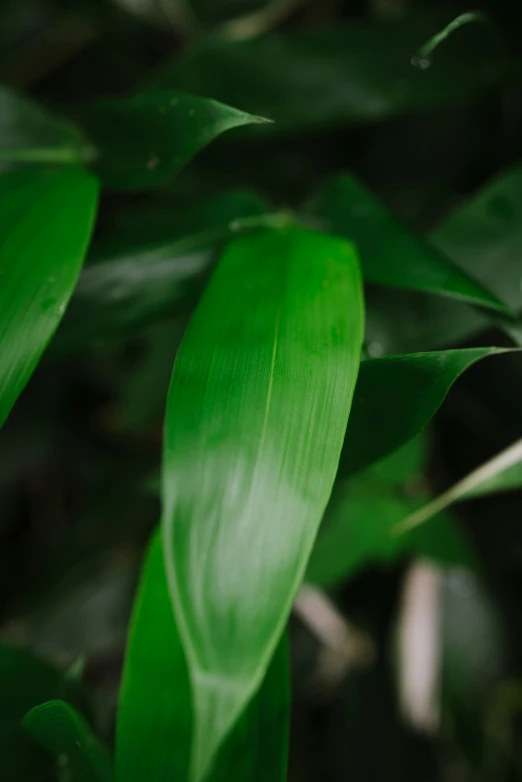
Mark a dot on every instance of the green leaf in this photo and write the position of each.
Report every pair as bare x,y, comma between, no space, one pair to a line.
58,727
320,78
482,237
155,711
390,253
30,134
502,472
144,273
394,399
45,226
24,683
256,414
362,512
144,140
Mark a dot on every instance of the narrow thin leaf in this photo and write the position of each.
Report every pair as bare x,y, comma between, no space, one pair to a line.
390,253
502,472
257,410
144,140
155,710
58,727
324,77
45,225
396,396
31,134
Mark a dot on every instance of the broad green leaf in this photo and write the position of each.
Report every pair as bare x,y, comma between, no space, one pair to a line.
145,273
502,472
144,140
362,512
390,253
45,225
394,399
30,134
482,237
58,727
325,77
26,682
155,711
256,414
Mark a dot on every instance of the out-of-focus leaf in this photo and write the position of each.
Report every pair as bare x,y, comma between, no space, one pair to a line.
257,409
30,134
144,140
394,399
155,712
498,474
145,275
358,523
390,253
45,226
317,78
26,682
58,727
483,237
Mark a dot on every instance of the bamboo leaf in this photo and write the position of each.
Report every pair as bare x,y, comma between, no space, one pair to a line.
502,472
145,139
357,526
256,413
45,225
144,273
30,134
324,77
396,396
155,710
58,727
390,253
25,682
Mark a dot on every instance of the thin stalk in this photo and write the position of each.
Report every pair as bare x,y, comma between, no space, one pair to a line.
485,472
422,59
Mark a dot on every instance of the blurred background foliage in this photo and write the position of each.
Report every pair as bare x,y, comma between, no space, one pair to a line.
79,455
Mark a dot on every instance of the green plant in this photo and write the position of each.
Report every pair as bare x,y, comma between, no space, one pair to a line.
309,335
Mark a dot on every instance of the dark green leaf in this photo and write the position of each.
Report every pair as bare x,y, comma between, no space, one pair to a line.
155,712
394,399
30,134
45,226
146,273
58,727
26,682
325,77
390,253
482,237
358,523
257,409
144,140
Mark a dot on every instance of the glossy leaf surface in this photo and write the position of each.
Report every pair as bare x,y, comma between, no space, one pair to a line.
155,711
257,409
394,399
325,77
58,727
30,134
390,253
45,225
26,682
144,140
362,512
